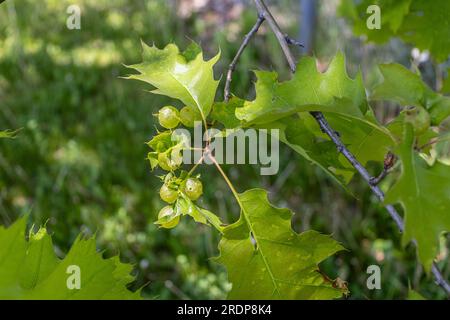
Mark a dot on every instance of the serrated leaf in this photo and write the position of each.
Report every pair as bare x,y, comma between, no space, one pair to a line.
179,75
265,259
407,88
340,98
308,90
424,192
31,270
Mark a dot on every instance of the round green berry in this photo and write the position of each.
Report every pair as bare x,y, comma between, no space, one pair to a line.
193,188
189,116
167,218
168,117
167,194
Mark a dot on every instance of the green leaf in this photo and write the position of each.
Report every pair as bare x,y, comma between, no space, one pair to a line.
266,259
414,21
340,98
185,206
424,192
446,84
183,76
8,134
393,12
308,90
225,112
414,295
407,88
420,27
167,144
300,135
31,270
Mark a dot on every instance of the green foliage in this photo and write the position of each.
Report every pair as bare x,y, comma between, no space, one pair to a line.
77,162
414,295
406,88
7,134
29,269
269,259
424,192
414,21
446,85
263,267
184,76
341,98
308,90
265,259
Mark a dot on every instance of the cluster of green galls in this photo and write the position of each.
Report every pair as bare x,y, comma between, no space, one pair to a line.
169,117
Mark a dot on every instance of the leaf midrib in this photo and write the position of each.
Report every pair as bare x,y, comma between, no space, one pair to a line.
252,232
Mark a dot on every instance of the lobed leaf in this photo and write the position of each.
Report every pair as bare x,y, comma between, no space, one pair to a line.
424,192
31,270
407,88
266,259
184,76
340,98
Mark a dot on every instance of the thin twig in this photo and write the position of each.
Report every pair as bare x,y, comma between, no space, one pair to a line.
389,161
232,66
293,41
325,127
264,11
334,136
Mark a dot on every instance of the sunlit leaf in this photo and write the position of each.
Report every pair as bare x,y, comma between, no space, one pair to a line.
183,76
31,270
266,259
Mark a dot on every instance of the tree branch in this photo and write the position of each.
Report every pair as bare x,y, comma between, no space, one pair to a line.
334,136
264,11
232,66
389,161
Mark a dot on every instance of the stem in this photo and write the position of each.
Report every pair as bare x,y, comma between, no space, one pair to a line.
264,11
232,66
227,180
196,165
325,127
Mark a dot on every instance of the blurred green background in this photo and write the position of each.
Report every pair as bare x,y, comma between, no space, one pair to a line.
78,162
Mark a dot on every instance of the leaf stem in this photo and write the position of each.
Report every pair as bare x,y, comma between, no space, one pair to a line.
232,66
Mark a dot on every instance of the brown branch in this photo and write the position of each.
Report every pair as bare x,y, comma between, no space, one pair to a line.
389,161
232,66
264,11
334,136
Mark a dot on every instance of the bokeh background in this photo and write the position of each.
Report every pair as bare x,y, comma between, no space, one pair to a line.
78,162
